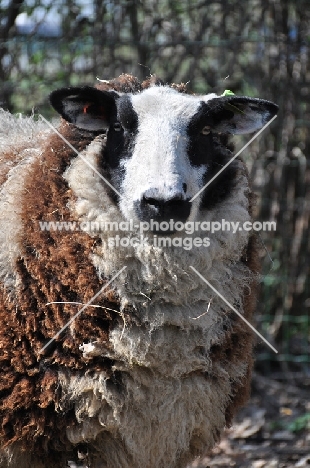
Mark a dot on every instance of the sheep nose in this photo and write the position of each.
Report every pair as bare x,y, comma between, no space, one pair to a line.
160,202
163,208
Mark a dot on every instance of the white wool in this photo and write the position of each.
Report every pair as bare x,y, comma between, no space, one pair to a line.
11,228
126,424
23,139
155,420
17,131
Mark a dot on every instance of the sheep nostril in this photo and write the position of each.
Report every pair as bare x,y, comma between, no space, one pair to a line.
153,201
184,186
160,202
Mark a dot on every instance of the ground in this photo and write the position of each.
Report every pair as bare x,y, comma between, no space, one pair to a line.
272,431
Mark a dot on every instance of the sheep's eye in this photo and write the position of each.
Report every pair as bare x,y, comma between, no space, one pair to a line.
206,130
117,127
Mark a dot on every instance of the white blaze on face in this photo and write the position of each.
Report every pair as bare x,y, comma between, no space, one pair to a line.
159,165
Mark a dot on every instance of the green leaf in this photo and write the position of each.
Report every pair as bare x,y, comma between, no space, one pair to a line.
227,92
300,423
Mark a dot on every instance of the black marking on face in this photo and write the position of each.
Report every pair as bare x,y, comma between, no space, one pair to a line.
200,145
127,116
221,187
212,151
121,136
121,133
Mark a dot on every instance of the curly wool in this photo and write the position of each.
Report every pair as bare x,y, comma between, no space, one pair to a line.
152,376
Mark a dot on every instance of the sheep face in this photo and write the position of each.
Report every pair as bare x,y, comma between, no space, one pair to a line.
163,146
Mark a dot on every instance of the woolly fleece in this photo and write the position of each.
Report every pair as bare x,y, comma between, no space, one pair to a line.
152,376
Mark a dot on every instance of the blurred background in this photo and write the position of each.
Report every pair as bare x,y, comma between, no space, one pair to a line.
258,48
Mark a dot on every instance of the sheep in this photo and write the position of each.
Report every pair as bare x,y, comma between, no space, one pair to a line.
153,369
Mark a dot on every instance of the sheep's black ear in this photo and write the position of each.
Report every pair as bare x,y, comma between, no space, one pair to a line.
85,107
234,114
